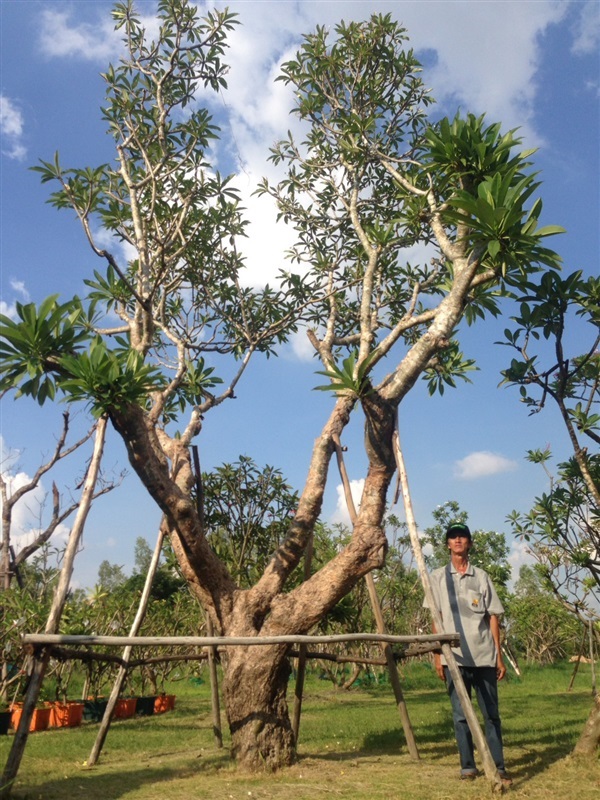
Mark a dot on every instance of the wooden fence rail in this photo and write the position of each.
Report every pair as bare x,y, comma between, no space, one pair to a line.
69,654
50,639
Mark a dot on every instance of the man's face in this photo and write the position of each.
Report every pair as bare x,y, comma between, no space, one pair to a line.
459,545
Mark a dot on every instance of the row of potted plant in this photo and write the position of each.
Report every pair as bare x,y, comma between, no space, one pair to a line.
127,707
58,714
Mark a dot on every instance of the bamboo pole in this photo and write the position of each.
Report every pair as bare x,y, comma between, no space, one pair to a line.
126,656
301,674
60,596
489,766
511,658
379,621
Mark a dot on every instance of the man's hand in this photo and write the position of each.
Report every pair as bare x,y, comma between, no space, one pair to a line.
500,668
439,668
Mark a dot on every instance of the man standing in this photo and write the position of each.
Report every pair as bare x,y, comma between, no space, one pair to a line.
469,605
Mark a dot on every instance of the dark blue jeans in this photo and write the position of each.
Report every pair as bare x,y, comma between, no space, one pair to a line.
485,683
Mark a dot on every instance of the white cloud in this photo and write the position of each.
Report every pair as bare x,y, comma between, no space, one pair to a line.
341,515
481,464
520,555
266,243
60,37
475,68
587,29
301,346
11,129
9,309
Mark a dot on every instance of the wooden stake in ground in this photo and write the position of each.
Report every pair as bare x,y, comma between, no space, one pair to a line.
480,741
126,657
58,603
379,621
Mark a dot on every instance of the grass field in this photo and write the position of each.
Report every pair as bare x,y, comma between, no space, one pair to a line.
351,748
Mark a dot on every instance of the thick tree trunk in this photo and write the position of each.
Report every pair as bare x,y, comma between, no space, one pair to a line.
254,688
589,741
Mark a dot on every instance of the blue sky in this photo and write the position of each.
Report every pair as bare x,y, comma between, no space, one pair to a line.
532,65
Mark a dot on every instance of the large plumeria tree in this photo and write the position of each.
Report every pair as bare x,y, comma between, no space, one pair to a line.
403,228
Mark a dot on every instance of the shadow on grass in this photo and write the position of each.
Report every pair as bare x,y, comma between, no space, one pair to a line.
110,782
531,746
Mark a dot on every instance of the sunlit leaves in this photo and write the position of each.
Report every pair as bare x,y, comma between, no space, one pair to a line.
109,290
108,379
448,365
498,220
467,152
351,377
487,186
31,347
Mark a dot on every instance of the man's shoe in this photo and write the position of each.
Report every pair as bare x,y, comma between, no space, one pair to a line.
469,776
505,777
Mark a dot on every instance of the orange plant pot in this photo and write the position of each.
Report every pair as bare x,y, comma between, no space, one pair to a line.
170,702
66,715
161,704
39,720
125,708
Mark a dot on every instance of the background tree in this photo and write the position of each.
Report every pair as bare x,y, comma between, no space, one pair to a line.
247,513
110,576
371,178
562,534
399,585
563,527
142,556
168,581
539,626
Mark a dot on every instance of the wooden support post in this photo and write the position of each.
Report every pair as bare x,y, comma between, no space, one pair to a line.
214,687
480,741
592,656
379,621
211,651
15,756
126,657
301,673
578,661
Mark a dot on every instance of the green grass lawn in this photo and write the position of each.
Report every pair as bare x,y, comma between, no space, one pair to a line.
351,747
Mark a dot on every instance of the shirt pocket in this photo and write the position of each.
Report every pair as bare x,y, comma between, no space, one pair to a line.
476,602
